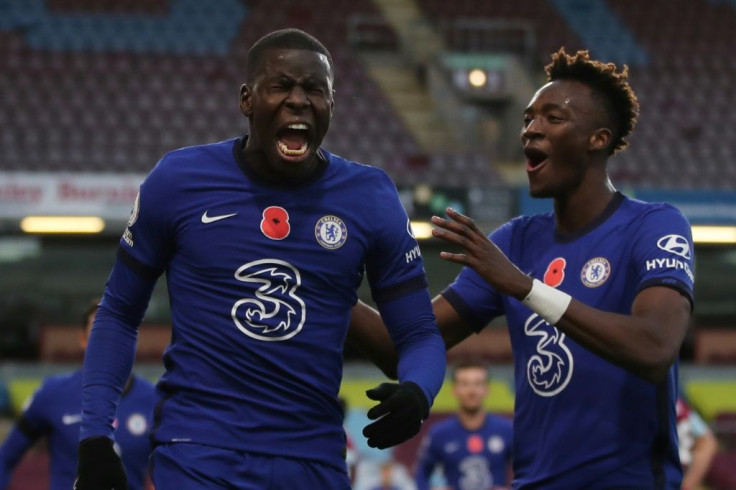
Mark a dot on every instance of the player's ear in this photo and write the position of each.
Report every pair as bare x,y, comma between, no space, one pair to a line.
600,139
246,100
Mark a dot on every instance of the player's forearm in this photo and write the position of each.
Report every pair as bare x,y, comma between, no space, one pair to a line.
107,365
703,451
368,334
421,350
646,342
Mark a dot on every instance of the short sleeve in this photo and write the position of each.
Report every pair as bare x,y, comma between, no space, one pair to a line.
698,427
394,262
471,296
149,235
663,252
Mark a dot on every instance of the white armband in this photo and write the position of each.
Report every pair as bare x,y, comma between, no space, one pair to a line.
547,302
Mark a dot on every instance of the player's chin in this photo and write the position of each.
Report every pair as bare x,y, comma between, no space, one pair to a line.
539,190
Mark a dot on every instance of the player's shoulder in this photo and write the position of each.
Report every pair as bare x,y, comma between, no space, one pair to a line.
63,381
194,155
644,209
59,385
531,220
368,174
499,420
525,224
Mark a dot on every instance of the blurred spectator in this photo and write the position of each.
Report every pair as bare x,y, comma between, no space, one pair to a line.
351,451
387,480
698,446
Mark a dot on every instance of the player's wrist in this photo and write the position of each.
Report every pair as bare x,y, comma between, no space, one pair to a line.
417,392
546,301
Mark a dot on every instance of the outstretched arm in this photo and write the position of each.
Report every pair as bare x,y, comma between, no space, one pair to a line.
646,342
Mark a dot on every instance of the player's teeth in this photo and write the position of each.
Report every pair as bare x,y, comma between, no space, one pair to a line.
298,126
293,153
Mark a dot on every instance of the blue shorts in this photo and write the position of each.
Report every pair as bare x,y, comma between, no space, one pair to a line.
186,466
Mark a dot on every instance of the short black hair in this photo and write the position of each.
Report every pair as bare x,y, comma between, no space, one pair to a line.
284,39
91,308
469,363
609,85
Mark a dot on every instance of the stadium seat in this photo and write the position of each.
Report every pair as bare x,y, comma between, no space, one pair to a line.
724,427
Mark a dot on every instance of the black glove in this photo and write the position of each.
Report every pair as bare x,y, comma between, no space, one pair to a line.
99,467
400,414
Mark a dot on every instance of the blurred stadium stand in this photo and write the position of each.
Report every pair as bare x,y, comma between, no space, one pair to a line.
97,87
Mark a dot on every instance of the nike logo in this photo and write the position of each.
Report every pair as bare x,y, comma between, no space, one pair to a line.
69,419
211,219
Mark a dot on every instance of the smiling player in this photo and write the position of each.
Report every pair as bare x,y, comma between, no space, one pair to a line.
597,296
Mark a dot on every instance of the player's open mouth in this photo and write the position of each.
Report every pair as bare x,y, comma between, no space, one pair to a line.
293,141
535,159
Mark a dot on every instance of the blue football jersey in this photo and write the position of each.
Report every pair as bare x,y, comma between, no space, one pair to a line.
262,278
55,411
580,421
470,459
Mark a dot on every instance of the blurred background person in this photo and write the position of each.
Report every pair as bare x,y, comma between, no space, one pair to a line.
698,446
472,447
352,456
54,411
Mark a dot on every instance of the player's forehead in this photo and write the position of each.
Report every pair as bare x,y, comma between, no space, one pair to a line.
562,94
288,62
470,373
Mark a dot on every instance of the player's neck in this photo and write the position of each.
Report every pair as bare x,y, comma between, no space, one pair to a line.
472,419
576,210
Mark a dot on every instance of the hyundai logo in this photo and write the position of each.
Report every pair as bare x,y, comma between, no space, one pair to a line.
675,244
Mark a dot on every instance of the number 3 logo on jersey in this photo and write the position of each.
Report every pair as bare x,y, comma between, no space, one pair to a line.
550,369
275,312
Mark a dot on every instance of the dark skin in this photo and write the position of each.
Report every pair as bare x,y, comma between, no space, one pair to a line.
566,138
291,89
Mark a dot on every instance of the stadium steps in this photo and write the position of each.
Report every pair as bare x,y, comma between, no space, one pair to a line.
400,80
410,100
418,37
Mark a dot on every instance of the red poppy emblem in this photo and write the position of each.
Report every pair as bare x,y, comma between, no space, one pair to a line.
555,273
275,223
475,443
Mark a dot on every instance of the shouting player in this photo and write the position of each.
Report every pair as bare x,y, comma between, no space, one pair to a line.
265,240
